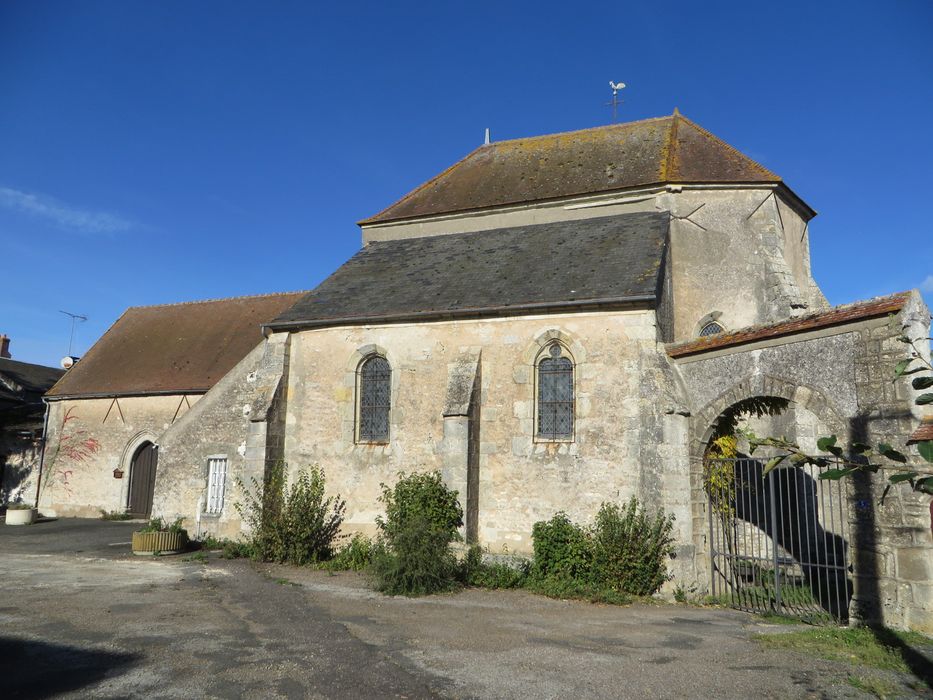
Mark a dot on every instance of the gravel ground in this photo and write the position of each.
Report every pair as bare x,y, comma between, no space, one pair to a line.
83,618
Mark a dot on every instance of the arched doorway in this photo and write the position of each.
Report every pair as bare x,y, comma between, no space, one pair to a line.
142,480
778,541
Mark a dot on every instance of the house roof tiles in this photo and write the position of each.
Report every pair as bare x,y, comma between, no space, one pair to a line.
184,348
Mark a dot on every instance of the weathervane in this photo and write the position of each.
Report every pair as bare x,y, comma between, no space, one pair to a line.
615,98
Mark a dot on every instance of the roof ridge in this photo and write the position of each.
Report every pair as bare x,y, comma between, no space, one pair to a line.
218,299
710,135
579,131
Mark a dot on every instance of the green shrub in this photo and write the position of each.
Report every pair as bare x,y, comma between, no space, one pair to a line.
624,553
355,555
562,550
160,525
419,561
115,515
412,556
475,573
297,524
631,547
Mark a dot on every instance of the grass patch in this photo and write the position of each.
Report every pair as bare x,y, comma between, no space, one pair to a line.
199,557
879,687
858,646
115,515
775,619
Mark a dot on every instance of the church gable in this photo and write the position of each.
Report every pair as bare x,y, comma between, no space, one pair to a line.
525,269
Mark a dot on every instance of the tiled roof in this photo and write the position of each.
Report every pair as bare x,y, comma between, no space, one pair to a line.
881,306
669,149
923,433
172,348
504,271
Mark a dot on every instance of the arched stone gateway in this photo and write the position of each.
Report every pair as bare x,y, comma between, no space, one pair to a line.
776,542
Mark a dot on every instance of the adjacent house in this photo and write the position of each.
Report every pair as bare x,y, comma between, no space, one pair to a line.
108,414
21,421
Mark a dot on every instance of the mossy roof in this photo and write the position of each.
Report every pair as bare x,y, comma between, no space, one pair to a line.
662,150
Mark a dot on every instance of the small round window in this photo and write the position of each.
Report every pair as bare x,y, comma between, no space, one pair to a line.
711,328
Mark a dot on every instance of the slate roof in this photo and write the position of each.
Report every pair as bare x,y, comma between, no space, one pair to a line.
173,348
662,150
838,315
569,264
25,383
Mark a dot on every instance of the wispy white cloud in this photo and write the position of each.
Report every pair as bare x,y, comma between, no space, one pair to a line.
62,214
927,285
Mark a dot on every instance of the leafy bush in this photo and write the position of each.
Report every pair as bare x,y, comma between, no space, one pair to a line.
630,548
413,554
624,553
115,515
160,525
296,525
355,555
475,573
562,549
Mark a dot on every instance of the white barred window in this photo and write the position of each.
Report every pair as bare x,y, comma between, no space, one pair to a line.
216,484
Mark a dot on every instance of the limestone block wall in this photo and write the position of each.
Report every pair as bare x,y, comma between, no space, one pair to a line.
629,437
739,253
839,381
229,422
88,438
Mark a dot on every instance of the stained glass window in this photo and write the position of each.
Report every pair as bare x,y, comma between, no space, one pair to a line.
374,396
555,395
711,328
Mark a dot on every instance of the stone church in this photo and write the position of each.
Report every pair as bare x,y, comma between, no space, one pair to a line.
552,322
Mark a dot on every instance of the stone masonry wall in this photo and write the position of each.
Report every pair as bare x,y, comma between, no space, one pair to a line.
229,422
626,439
839,381
89,438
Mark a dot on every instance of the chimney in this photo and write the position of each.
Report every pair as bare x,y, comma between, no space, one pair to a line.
5,346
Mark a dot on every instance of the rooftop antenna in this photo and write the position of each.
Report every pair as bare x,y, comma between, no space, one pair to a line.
616,87
74,318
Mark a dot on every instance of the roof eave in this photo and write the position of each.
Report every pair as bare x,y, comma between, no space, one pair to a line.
806,210
633,301
125,394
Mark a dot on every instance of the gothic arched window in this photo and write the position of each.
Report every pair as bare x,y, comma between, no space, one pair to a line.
374,399
555,405
711,328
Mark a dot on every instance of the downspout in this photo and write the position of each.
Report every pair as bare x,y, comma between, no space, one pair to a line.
45,429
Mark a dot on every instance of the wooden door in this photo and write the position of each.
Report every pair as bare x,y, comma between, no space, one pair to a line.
142,480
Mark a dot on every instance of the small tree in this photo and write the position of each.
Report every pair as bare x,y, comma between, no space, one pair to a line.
422,518
296,525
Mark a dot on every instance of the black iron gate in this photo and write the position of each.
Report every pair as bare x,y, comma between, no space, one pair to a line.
778,543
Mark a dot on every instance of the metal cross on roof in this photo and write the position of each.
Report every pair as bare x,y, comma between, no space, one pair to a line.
616,87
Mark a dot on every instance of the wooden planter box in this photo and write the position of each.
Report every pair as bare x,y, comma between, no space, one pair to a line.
20,516
161,542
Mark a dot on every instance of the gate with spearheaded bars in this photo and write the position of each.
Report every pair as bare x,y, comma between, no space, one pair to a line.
779,542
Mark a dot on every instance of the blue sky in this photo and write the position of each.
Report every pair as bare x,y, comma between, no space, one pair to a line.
155,152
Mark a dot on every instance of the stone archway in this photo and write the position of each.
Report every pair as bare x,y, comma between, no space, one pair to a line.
703,425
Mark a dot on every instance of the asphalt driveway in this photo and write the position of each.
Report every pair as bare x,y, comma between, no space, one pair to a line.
83,618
